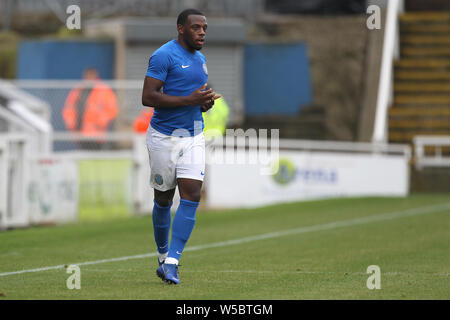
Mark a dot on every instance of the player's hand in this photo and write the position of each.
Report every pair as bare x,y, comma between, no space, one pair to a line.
201,96
210,104
206,107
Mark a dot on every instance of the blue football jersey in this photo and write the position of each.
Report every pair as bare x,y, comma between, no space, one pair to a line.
182,73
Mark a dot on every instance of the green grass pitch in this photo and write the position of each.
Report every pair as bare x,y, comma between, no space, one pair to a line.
323,256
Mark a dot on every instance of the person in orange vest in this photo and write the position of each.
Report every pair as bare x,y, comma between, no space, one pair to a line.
141,123
90,109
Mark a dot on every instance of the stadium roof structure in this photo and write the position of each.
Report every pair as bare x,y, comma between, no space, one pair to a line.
132,29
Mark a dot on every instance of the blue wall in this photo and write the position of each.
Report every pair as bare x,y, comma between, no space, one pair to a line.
276,78
57,59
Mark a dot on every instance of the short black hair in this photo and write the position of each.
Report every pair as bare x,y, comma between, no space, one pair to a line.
182,17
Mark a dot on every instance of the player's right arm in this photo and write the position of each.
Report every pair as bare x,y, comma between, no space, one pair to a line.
153,97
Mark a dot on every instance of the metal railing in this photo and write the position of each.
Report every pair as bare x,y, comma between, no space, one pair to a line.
312,145
14,149
22,173
437,159
390,52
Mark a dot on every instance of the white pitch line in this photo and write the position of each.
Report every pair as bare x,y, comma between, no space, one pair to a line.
270,235
343,273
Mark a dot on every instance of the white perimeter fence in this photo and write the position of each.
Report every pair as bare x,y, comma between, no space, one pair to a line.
66,182
435,159
66,186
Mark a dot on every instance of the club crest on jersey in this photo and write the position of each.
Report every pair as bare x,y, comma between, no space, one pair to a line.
158,179
205,68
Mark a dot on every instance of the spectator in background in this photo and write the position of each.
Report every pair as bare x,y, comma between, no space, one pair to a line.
90,109
141,123
216,118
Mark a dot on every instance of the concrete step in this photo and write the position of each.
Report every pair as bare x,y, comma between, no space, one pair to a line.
425,16
406,136
402,111
422,100
426,5
436,87
441,64
422,75
443,123
425,40
425,29
425,52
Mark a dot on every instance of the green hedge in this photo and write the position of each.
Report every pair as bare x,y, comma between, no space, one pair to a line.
8,54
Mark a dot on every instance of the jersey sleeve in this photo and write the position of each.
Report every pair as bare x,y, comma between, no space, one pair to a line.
158,66
203,56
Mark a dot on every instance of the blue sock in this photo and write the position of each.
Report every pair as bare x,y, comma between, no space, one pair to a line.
161,226
183,224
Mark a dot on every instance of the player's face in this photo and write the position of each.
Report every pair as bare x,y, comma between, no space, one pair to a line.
194,31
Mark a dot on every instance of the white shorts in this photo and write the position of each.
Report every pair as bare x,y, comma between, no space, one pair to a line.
174,157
